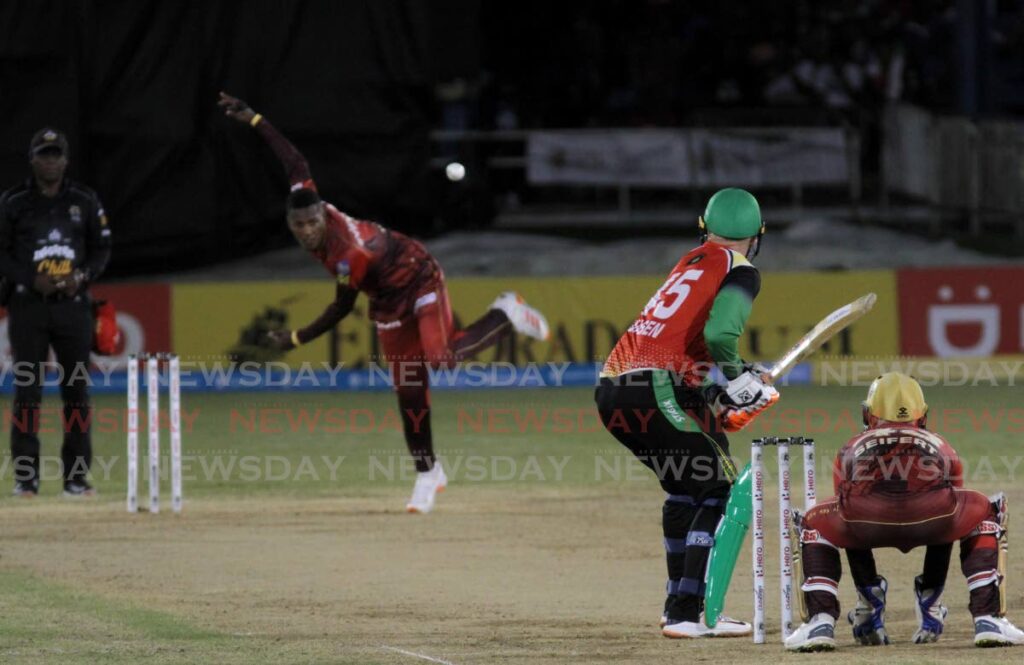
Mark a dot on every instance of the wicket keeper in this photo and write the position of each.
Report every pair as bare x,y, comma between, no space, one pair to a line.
656,398
408,299
900,485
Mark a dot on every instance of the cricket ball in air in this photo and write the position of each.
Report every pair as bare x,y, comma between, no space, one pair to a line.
455,171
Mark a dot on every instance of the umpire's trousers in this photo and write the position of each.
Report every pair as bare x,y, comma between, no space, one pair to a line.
34,325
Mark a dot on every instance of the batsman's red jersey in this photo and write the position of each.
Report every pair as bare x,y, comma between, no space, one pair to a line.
669,333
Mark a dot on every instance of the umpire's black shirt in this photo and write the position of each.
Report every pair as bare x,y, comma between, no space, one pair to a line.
56,236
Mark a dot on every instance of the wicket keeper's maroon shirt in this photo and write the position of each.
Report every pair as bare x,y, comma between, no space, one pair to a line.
896,486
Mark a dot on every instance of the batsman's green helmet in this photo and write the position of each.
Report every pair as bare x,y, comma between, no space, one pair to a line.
732,213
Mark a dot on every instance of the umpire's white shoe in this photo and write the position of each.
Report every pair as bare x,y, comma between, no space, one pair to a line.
818,634
428,484
525,319
990,631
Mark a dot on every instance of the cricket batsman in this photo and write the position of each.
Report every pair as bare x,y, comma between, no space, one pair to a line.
900,485
408,299
656,398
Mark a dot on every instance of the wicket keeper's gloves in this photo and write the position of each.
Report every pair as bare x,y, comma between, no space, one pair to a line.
742,399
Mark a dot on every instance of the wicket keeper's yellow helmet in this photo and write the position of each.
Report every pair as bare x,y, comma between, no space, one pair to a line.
895,398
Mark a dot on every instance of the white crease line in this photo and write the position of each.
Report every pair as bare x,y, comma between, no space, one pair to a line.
417,655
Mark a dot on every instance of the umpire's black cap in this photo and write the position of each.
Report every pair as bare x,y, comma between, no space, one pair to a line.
48,139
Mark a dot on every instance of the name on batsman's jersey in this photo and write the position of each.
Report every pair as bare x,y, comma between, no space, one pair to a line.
896,461
669,333
392,269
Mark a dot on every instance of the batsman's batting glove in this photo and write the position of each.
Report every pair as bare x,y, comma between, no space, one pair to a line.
742,400
757,368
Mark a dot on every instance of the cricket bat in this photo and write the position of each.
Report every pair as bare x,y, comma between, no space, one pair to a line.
825,330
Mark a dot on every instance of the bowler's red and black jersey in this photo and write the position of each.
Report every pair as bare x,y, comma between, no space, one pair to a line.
389,267
392,269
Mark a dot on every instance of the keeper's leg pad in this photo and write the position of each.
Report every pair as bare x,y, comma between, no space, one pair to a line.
822,571
979,561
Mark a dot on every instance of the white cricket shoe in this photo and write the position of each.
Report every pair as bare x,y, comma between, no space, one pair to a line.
525,319
990,631
729,627
686,630
428,484
726,627
818,634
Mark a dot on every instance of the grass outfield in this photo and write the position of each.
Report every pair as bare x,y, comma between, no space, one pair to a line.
546,547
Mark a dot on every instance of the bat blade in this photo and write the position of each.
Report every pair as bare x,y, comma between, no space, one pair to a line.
825,330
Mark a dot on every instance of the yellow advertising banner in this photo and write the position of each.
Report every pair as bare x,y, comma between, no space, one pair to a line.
587,315
224,320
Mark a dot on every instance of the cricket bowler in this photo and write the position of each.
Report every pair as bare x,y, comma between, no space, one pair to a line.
900,485
408,300
655,396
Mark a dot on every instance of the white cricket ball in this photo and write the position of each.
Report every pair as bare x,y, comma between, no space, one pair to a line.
455,171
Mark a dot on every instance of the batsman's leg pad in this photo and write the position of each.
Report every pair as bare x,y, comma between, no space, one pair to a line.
699,540
728,540
676,517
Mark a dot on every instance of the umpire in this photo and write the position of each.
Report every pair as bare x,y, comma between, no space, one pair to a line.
54,241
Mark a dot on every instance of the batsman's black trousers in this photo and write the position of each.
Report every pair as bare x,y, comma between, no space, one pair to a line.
672,431
34,325
685,462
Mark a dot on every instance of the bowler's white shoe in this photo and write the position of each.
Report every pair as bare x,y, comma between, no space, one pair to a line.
818,634
990,631
428,484
525,319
